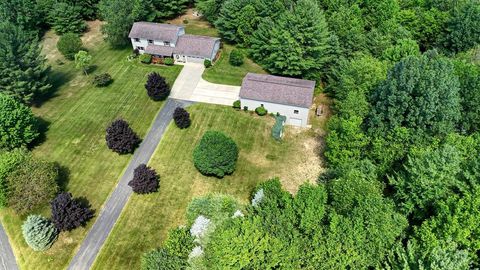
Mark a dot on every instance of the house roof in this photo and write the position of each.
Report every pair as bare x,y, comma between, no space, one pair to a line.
192,45
276,89
159,50
155,31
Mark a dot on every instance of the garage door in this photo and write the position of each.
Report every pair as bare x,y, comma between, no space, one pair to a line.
192,59
295,122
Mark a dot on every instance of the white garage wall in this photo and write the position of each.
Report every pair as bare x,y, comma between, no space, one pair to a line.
300,119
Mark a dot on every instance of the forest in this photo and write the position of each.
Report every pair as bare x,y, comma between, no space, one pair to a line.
402,188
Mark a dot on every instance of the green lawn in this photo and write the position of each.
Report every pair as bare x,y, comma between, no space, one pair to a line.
77,116
224,73
146,219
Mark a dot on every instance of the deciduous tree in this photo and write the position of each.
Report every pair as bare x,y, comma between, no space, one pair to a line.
157,87
121,138
145,180
69,213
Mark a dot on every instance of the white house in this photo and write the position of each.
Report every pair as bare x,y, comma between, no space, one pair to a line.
168,40
287,96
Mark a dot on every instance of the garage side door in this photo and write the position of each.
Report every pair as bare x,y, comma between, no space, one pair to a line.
295,122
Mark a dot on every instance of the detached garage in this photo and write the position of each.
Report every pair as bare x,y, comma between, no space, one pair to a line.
289,97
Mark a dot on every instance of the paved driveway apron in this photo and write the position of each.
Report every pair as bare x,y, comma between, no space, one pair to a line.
7,259
111,210
190,86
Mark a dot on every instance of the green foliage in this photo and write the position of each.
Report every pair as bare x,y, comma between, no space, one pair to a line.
18,125
145,58
21,13
310,206
216,154
166,9
207,63
67,18
403,48
261,111
168,61
160,259
120,16
23,71
32,184
421,93
9,161
469,75
39,232
215,207
236,58
277,129
463,29
347,23
295,44
179,242
69,44
102,80
236,20
237,105
83,61
209,8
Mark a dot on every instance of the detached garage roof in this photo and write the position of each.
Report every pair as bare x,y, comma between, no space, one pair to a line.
192,45
155,31
276,89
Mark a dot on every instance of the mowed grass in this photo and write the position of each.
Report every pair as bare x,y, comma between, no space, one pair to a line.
76,117
146,219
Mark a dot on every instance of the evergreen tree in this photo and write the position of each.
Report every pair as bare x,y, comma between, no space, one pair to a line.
295,44
157,87
463,30
209,8
66,18
166,9
39,232
23,72
22,13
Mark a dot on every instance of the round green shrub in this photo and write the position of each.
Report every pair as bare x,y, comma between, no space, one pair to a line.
39,232
160,259
168,61
207,63
145,58
261,111
102,80
237,105
236,58
18,125
216,154
9,161
69,44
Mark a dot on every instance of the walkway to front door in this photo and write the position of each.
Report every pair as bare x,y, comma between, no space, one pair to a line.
190,86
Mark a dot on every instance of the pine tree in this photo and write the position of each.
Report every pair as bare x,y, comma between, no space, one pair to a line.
39,232
23,72
170,8
22,13
67,18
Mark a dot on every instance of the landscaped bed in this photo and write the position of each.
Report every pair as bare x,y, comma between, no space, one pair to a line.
146,219
76,118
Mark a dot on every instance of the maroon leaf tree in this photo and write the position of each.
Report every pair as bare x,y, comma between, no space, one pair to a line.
181,118
69,213
121,138
157,87
145,180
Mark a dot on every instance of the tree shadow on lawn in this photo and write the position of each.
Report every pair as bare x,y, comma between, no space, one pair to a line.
42,125
63,176
57,79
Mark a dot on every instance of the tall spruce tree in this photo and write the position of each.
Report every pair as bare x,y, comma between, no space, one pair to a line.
166,9
23,13
66,18
23,72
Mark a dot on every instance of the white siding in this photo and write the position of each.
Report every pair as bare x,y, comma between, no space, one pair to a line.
141,43
294,119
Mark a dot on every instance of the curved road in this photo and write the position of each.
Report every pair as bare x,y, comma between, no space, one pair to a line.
111,210
7,259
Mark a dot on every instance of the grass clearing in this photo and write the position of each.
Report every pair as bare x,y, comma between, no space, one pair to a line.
146,219
76,116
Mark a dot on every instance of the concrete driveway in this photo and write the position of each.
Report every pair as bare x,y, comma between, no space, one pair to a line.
190,86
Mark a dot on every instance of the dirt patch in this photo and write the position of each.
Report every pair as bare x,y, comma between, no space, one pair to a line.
319,123
192,17
94,35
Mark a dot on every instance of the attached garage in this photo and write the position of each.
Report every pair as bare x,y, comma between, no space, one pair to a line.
195,49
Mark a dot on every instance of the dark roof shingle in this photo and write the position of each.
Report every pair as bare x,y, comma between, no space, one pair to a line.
155,31
159,50
276,89
195,45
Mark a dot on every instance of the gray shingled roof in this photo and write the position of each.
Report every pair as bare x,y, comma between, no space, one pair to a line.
159,50
276,89
194,45
155,31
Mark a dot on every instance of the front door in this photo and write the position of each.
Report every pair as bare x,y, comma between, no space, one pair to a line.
180,58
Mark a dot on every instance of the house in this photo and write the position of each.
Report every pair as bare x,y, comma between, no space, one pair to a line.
289,97
168,40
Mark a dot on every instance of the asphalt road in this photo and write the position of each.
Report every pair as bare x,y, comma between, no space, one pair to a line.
111,210
7,259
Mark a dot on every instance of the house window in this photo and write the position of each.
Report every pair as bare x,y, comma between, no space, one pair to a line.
167,43
140,48
150,41
295,111
261,105
137,40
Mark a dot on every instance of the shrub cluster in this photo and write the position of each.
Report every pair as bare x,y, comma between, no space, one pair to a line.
9,161
121,138
145,58
32,184
161,259
39,232
69,44
102,80
237,105
145,180
216,154
236,58
69,213
181,118
207,63
168,61
157,87
261,111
